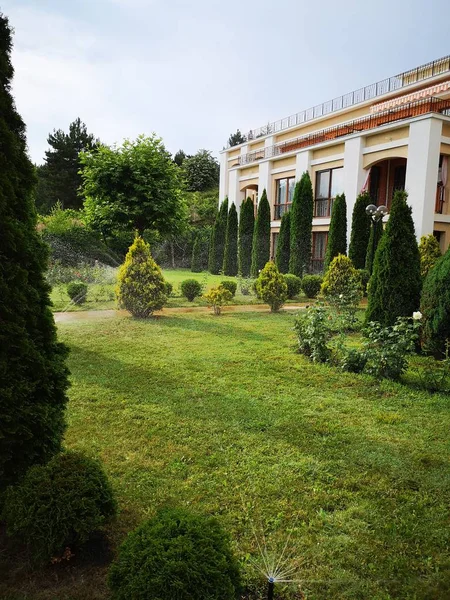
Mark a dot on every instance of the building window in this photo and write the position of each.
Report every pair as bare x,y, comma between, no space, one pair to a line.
329,184
319,246
283,196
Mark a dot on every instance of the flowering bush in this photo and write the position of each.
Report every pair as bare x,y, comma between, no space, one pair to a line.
313,332
217,297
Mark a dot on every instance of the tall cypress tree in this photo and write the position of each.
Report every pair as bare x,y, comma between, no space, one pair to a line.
246,227
217,246
261,237
376,231
33,374
301,226
337,236
284,244
360,235
230,259
396,283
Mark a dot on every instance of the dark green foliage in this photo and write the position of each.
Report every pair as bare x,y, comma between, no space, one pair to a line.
196,266
395,285
58,505
229,285
236,138
217,244
283,249
311,285
246,228
360,235
337,237
191,288
33,374
365,276
77,291
294,285
176,556
180,157
261,237
230,259
301,226
201,171
376,232
435,307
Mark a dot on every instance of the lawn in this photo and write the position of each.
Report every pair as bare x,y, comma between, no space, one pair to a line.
220,415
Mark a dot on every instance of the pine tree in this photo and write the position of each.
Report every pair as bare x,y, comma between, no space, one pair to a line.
196,266
230,259
261,236
33,374
301,226
394,289
246,227
217,246
376,232
284,244
360,235
337,236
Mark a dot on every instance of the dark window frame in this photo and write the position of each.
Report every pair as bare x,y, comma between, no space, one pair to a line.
323,206
278,212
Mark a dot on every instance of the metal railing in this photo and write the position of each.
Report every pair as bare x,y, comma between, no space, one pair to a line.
406,111
369,92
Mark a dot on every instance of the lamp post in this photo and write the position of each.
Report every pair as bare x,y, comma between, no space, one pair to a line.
376,213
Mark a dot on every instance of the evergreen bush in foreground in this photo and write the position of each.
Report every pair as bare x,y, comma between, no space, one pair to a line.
430,253
261,236
229,285
176,556
271,287
360,234
77,291
284,244
191,288
311,285
337,237
294,285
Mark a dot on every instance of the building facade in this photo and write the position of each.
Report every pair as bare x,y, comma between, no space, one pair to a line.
391,135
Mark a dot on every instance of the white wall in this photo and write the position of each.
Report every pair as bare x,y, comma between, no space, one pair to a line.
354,176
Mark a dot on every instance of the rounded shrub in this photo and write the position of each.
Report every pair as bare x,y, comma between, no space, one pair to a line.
217,297
271,287
169,288
229,285
176,556
191,288
311,285
341,286
58,505
77,291
294,285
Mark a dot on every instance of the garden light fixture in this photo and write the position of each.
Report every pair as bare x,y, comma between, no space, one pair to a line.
376,212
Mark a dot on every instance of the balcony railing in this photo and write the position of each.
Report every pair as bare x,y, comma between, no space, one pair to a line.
280,209
407,111
391,84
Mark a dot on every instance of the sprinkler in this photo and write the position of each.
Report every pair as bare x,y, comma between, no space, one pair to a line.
271,581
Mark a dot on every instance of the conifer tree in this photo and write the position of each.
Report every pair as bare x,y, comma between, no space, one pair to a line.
435,307
284,244
217,246
395,285
33,374
196,266
337,236
246,227
376,232
301,227
360,235
430,253
261,237
230,259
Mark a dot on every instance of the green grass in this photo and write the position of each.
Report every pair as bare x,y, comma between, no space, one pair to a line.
220,415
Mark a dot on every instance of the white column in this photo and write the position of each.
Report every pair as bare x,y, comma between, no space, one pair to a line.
223,180
354,176
422,172
302,163
234,194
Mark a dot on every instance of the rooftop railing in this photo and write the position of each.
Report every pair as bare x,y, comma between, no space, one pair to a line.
407,111
391,84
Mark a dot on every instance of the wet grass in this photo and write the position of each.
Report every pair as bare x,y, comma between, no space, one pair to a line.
222,416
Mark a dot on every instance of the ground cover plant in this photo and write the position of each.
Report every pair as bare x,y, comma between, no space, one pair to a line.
221,416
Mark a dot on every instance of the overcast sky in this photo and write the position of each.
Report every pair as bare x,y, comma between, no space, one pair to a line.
195,71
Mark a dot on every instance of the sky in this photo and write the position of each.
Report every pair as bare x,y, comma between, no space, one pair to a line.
195,71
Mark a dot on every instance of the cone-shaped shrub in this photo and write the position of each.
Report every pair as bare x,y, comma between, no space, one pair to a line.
196,262
261,236
271,287
301,227
230,259
141,287
284,244
246,227
33,374
217,248
376,232
394,288
435,307
342,285
360,235
430,253
337,236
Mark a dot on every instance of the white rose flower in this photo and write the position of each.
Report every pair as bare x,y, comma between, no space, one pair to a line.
417,315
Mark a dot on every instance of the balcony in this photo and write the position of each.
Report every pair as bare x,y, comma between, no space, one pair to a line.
407,111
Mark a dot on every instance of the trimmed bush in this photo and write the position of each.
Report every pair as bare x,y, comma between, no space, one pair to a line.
360,235
77,291
337,237
58,505
261,236
176,556
141,288
271,287
229,285
230,259
217,297
190,289
430,253
311,285
435,307
246,227
284,244
301,227
294,285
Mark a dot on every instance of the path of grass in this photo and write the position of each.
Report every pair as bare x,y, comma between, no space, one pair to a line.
220,415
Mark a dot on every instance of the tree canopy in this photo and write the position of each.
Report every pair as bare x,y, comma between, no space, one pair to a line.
201,171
